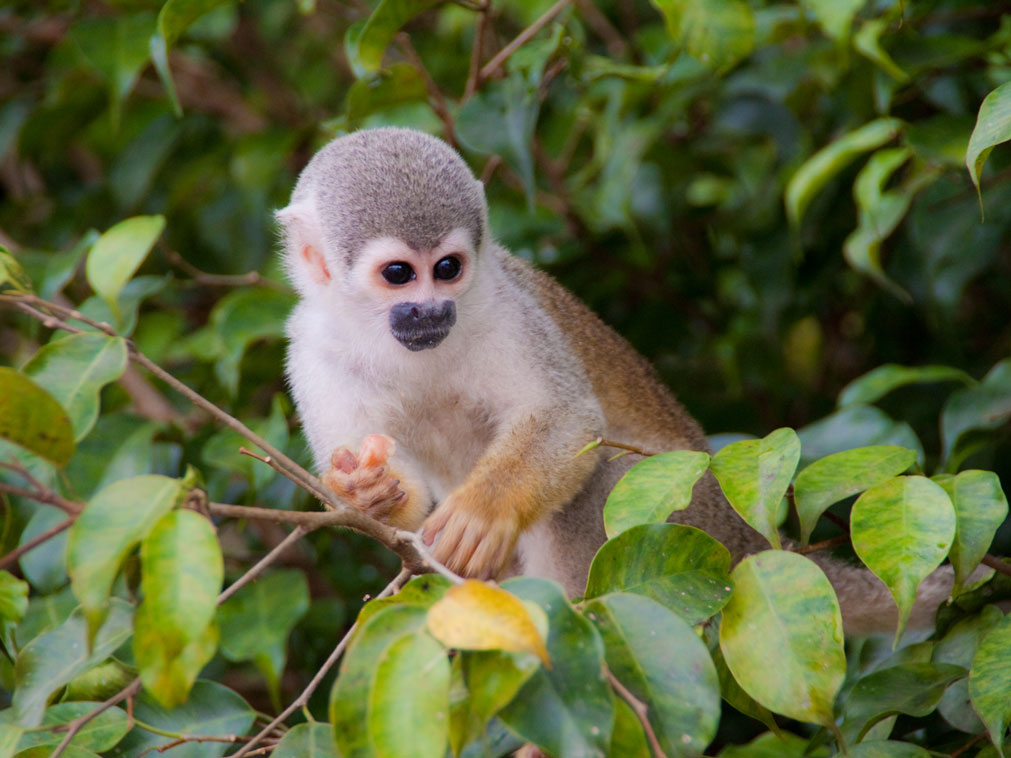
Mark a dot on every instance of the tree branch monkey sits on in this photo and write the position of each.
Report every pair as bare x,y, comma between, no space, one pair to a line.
446,385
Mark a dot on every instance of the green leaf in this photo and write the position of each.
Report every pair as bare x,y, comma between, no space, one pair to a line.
856,426
958,646
74,369
680,567
652,489
374,93
13,597
181,574
409,702
46,752
212,709
902,530
34,419
366,41
718,33
754,475
500,120
100,682
256,621
887,749
835,16
985,406
878,382
988,681
55,657
99,734
169,665
911,688
816,172
993,126
628,739
351,695
784,610
671,673
111,524
769,745
241,318
422,591
46,565
569,709
491,679
12,275
116,256
312,740
176,16
980,508
867,41
840,475
732,692
880,212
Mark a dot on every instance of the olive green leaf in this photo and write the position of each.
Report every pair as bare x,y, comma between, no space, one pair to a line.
652,489
902,530
785,611
980,508
993,126
34,419
116,256
988,681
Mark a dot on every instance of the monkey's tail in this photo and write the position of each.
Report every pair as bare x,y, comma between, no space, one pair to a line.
867,605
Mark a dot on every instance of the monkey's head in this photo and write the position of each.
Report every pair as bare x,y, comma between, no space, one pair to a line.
385,226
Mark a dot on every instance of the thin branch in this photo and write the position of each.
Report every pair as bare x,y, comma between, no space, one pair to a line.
996,563
403,40
47,535
521,39
641,711
475,54
622,446
73,727
814,547
38,490
251,278
303,699
254,571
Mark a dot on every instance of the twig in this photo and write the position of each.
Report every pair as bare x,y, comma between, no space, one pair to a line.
39,491
475,54
251,278
14,555
254,571
521,39
73,727
641,711
622,446
996,563
403,40
303,698
489,168
814,547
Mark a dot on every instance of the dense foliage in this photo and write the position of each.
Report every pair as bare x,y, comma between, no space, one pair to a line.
776,202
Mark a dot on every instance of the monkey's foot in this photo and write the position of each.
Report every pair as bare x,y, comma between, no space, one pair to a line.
364,479
471,541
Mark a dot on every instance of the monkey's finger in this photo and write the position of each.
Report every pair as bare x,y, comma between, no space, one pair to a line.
376,450
344,460
434,524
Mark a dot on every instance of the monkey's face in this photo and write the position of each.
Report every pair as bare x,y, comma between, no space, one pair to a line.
416,289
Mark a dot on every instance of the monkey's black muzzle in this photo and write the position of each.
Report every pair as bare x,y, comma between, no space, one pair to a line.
420,326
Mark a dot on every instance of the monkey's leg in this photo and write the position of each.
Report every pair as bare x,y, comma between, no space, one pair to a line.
526,474
372,483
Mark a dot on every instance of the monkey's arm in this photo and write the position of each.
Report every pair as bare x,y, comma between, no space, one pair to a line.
528,472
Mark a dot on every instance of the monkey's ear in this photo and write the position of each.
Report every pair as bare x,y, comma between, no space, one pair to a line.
303,243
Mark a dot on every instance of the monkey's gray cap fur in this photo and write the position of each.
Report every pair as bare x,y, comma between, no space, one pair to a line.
391,182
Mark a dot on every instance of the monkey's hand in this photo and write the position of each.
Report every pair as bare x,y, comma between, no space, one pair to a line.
369,481
474,540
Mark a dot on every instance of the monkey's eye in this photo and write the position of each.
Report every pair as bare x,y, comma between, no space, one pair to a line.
398,272
446,269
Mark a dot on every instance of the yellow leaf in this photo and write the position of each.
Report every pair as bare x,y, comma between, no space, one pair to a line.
478,616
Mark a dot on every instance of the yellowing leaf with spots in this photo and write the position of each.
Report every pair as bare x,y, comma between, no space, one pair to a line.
478,616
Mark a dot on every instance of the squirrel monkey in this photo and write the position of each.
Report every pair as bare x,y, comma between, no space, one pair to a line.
444,384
